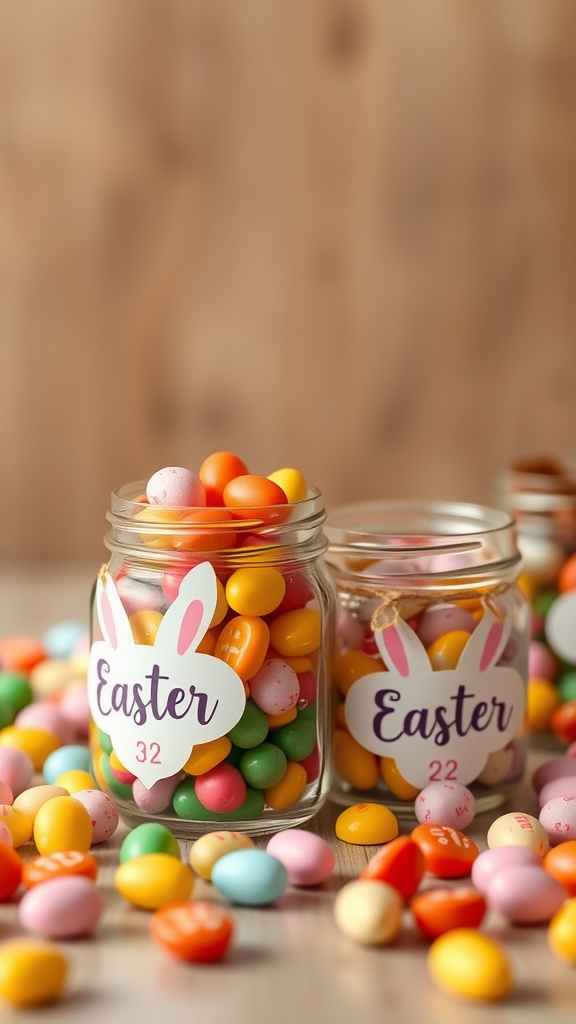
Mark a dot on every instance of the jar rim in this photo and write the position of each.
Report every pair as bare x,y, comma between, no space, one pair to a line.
414,524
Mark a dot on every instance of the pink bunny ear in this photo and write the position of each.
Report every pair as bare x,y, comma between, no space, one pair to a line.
107,619
111,614
190,614
393,644
491,645
486,643
401,650
189,626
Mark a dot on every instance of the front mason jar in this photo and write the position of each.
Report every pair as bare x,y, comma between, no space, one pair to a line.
431,652
208,665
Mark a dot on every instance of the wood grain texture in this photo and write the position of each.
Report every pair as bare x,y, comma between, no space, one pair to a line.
333,234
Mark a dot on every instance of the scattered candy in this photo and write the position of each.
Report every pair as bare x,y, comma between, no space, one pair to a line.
440,910
445,803
198,932
62,908
210,847
307,857
448,853
366,825
562,932
369,912
154,880
250,878
469,964
518,829
32,973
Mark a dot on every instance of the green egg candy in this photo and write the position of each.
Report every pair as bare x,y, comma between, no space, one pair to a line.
15,689
105,742
187,805
234,756
567,686
122,790
297,739
263,766
149,837
252,729
543,601
308,712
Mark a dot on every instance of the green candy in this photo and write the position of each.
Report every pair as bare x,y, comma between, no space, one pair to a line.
297,739
543,601
121,790
187,805
567,686
149,838
252,729
15,694
263,766
105,742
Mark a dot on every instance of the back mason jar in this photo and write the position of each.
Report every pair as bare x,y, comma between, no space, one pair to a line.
208,665
431,652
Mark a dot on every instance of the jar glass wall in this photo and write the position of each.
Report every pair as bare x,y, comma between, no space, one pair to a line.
431,654
211,636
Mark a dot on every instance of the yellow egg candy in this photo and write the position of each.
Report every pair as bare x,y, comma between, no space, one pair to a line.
158,519
396,782
37,743
205,756
354,764
366,825
210,847
353,665
219,611
74,780
154,880
445,652
144,625
467,963
369,912
19,823
542,698
30,800
32,973
562,932
288,791
62,823
296,633
257,590
292,482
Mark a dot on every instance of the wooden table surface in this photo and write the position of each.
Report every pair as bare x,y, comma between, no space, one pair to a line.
289,962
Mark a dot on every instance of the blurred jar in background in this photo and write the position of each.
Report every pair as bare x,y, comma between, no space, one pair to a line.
431,659
540,492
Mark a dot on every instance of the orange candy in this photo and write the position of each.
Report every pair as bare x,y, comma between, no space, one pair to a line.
563,721
10,871
440,910
243,643
218,470
197,931
400,862
447,852
21,653
58,864
567,575
245,493
205,539
560,862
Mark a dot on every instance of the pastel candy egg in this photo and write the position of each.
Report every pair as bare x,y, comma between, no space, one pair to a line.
560,862
31,800
15,694
518,829
366,824
255,590
445,803
490,862
468,964
102,811
275,688
296,632
17,769
307,857
243,643
562,932
176,487
210,847
525,894
154,880
349,628
158,798
37,743
62,908
65,759
292,482
19,823
263,766
62,823
62,638
369,912
149,837
32,973
251,878
75,709
441,619
499,766
554,768
6,795
558,816
74,780
541,662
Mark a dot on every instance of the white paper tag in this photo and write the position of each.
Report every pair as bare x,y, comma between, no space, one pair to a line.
438,726
560,626
157,701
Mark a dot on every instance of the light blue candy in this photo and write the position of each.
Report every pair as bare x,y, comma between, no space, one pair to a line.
66,759
61,639
250,878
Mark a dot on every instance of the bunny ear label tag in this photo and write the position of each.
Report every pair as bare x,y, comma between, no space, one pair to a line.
438,726
560,626
157,701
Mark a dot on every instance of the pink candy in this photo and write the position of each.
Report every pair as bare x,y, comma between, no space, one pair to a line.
437,621
16,769
158,798
445,803
275,687
490,863
222,789
102,811
175,487
308,858
558,816
525,893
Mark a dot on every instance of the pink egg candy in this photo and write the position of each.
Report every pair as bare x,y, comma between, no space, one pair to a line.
554,768
221,789
564,786
46,716
75,709
525,894
349,629
307,857
541,662
6,836
441,619
489,863
102,811
62,908
299,591
275,687
16,769
445,803
558,816
307,689
175,487
311,764
159,797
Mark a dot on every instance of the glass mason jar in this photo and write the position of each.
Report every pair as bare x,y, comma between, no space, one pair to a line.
540,492
431,652
208,666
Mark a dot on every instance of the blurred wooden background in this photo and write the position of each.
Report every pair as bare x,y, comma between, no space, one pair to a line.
337,234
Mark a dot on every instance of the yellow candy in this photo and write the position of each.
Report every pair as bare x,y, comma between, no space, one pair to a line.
354,764
295,633
209,848
562,931
144,625
445,652
19,823
366,825
542,698
154,880
205,756
276,721
354,665
369,912
160,517
396,782
219,611
255,591
37,743
208,641
75,780
518,829
299,664
62,824
32,973
31,800
292,483
467,963
288,791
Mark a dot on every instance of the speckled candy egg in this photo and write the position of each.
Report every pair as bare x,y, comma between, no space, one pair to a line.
102,811
518,829
175,487
558,816
275,687
445,803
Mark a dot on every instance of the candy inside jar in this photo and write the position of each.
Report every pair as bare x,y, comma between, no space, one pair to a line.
210,640
431,656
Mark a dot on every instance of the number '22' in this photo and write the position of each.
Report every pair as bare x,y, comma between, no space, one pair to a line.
440,772
149,753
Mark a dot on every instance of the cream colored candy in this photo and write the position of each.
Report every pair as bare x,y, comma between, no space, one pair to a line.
210,847
369,912
498,766
31,800
518,829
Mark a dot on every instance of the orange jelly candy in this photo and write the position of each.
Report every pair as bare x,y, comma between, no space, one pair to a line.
447,852
58,864
194,931
243,643
560,862
439,910
400,862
